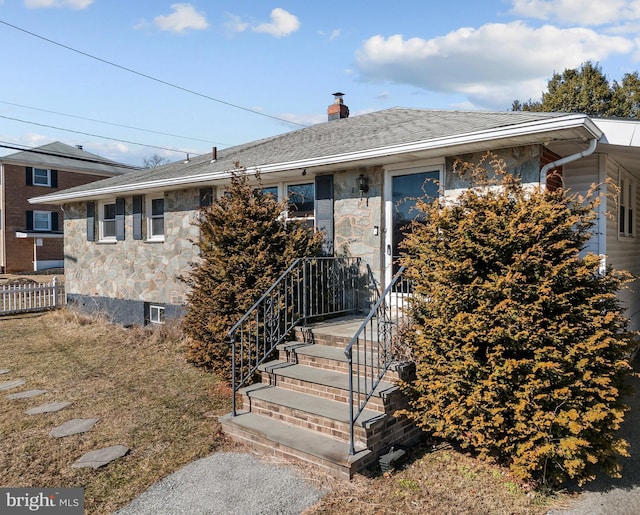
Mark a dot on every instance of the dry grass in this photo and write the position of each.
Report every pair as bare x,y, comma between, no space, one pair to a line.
145,394
434,480
149,399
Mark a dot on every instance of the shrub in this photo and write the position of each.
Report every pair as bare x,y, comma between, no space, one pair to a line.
520,341
245,244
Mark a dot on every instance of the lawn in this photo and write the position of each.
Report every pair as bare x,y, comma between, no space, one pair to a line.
165,410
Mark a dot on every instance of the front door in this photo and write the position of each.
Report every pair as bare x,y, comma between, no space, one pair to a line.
402,192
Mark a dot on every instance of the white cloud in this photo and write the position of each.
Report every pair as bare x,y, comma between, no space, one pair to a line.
282,24
45,4
235,23
578,12
491,65
183,17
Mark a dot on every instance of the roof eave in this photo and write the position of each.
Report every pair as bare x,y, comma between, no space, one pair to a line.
572,121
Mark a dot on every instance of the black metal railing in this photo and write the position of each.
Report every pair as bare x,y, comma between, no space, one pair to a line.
375,346
310,288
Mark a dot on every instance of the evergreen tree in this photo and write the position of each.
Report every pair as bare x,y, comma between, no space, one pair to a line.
245,244
587,90
519,340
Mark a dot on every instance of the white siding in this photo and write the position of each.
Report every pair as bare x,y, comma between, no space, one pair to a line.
623,252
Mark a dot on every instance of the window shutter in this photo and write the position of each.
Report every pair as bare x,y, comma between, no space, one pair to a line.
54,221
119,219
137,217
91,223
29,220
324,211
206,197
54,178
29,176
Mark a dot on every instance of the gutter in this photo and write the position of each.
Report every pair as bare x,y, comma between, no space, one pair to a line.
525,129
573,157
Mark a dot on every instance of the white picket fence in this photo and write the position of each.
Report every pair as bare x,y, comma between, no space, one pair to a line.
24,298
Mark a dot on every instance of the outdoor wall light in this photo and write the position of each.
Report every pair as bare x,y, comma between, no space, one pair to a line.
362,184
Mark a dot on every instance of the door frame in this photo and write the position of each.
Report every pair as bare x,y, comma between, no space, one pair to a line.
431,165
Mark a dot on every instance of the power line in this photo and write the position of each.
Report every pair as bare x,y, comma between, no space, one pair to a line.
110,63
35,150
114,124
95,135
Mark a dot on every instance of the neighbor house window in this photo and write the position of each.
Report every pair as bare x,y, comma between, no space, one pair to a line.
107,221
626,207
155,219
300,198
41,177
156,314
41,221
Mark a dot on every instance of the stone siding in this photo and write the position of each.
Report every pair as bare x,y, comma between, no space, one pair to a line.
356,218
133,269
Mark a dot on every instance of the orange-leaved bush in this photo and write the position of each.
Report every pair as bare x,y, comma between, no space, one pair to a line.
520,342
245,244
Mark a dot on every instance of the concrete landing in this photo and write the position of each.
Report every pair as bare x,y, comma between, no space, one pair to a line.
73,427
25,395
47,408
101,457
8,385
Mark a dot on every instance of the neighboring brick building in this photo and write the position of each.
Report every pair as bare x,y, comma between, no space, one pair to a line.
31,236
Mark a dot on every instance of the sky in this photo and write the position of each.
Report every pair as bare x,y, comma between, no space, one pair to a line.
127,79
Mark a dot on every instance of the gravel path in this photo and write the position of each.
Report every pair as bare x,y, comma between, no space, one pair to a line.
607,496
227,483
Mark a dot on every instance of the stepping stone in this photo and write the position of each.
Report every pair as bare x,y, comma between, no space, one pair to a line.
25,395
101,457
73,427
4,371
7,385
47,408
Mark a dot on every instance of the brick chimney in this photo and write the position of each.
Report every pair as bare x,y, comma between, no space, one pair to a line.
338,110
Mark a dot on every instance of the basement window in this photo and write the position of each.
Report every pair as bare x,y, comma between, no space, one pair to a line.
156,314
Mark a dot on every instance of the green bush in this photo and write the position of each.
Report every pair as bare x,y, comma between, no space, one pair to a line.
245,245
520,342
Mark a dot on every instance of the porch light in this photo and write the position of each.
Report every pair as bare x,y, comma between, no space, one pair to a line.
362,184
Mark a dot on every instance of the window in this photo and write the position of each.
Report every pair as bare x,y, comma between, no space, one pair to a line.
107,220
155,219
301,202
156,314
626,207
41,177
41,221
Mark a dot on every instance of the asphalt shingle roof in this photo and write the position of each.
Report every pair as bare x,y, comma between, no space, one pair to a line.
396,126
59,156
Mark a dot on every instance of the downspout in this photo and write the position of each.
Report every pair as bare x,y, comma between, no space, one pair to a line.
573,157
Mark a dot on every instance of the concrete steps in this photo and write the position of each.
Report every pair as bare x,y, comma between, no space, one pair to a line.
300,410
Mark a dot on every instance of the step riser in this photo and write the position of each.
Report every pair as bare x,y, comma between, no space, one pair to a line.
333,428
326,392
270,448
327,364
323,339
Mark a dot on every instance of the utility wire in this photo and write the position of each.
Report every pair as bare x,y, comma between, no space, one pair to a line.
114,124
96,135
110,63
35,150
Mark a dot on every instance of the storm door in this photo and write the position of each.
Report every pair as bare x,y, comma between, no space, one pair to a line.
402,192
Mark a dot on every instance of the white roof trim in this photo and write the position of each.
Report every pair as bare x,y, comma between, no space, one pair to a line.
529,128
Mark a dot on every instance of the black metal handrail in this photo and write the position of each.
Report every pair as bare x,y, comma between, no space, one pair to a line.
372,349
309,288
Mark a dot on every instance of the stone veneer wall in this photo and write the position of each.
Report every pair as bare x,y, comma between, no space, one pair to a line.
356,218
132,271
